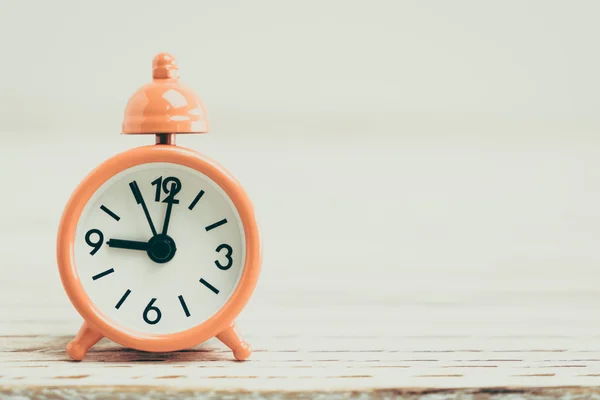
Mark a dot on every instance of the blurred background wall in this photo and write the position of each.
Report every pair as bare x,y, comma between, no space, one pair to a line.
409,148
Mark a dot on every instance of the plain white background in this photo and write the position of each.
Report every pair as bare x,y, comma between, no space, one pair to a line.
427,151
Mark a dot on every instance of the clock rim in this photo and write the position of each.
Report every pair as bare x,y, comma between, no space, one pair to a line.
219,321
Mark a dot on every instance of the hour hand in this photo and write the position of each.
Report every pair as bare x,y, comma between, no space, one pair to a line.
127,244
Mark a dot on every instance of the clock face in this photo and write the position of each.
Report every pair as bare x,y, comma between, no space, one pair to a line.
159,248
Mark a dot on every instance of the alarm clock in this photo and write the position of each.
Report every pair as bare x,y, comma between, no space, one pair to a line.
158,247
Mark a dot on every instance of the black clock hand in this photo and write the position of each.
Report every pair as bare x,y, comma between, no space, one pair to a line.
170,201
167,218
140,200
127,244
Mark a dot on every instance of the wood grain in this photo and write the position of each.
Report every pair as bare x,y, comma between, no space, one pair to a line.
296,359
418,302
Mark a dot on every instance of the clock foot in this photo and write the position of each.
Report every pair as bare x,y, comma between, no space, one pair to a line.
85,339
232,339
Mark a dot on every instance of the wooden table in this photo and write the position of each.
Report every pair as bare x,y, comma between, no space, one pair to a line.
382,344
495,295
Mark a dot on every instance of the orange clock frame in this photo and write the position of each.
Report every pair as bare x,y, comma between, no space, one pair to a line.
96,326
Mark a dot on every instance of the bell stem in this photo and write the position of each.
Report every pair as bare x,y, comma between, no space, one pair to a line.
165,138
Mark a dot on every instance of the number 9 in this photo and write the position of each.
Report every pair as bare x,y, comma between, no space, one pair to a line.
96,245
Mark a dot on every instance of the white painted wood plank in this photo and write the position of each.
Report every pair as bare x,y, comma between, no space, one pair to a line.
495,286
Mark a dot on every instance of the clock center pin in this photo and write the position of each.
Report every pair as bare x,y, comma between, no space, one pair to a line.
161,248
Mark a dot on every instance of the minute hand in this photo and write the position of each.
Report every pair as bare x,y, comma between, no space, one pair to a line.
140,200
175,187
167,217
127,244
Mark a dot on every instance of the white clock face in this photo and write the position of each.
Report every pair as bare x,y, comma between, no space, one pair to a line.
159,248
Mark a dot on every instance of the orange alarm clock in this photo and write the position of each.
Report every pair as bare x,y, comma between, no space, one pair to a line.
158,248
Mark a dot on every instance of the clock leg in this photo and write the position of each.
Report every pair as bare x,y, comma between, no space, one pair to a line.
86,338
232,339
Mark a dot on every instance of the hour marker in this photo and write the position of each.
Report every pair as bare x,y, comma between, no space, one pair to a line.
208,285
216,224
184,306
112,214
102,274
198,197
120,303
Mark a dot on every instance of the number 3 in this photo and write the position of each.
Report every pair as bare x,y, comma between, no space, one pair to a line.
228,256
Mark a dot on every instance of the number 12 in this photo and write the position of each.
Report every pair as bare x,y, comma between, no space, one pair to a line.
170,190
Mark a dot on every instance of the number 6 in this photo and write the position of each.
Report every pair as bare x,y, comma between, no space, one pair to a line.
149,308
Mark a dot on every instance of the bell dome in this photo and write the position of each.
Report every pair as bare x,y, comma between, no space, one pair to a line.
164,105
